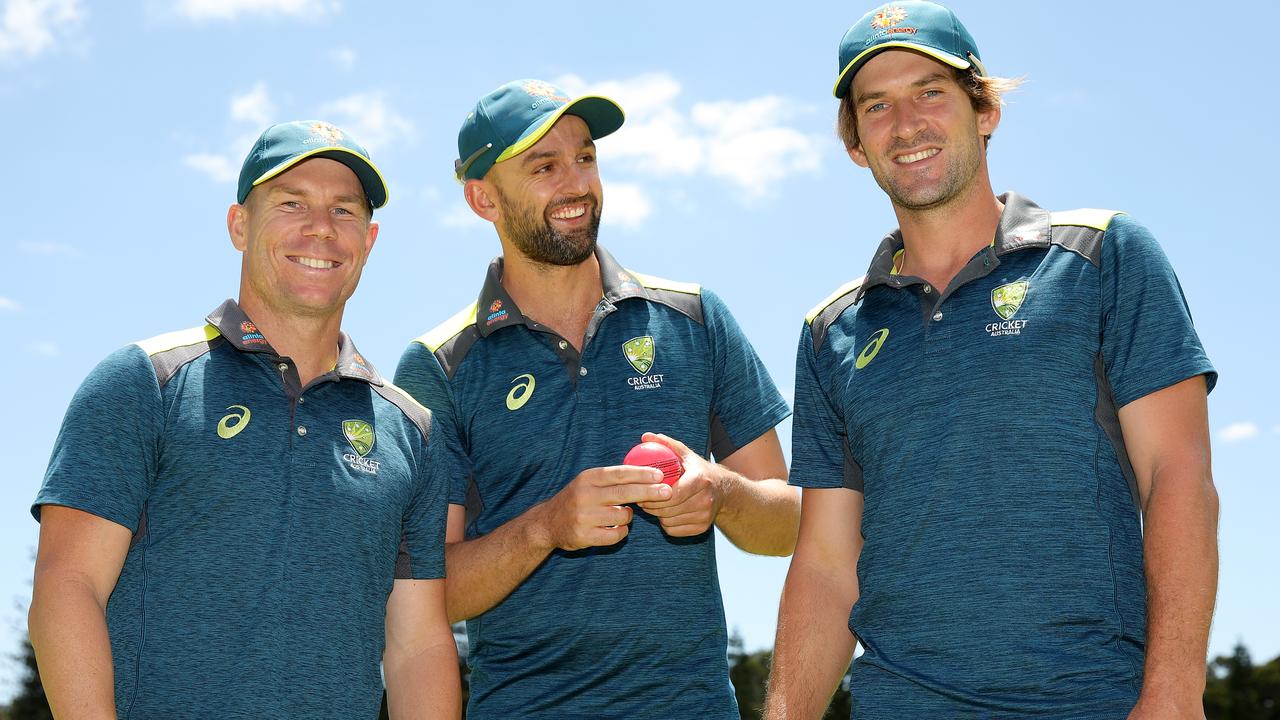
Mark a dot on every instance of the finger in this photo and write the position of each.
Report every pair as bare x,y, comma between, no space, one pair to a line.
602,536
681,449
623,475
627,494
686,530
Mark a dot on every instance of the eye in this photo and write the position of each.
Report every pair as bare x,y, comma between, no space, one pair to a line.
876,107
291,204
542,169
587,158
932,93
342,211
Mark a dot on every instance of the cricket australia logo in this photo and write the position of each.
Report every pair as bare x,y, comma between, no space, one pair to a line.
639,352
1006,300
360,434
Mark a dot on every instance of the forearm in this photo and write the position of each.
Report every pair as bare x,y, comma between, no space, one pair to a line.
759,516
813,645
485,570
423,685
68,630
1181,560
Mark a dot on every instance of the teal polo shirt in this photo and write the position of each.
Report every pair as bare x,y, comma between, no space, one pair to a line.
1001,571
635,629
266,516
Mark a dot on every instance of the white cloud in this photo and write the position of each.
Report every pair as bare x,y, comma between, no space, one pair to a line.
232,9
253,107
1275,429
30,27
626,205
50,249
219,168
8,305
344,58
746,143
1236,432
370,119
44,348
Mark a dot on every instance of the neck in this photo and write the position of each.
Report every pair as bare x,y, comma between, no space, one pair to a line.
940,240
310,341
561,297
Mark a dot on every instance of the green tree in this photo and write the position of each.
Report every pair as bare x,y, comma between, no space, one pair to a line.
30,703
749,673
1236,689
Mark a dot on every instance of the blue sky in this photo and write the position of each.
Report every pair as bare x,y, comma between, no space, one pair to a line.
125,125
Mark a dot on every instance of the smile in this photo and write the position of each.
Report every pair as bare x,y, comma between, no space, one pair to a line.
316,263
569,212
916,157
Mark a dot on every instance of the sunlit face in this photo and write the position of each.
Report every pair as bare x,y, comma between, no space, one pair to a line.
305,235
548,198
917,129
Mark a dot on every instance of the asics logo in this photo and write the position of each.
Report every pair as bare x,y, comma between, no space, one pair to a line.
231,424
520,394
869,352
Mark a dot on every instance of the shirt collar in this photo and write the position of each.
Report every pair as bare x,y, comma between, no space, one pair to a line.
1023,224
496,309
239,330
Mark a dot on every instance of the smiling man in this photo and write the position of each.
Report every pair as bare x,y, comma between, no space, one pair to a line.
590,589
242,519
998,430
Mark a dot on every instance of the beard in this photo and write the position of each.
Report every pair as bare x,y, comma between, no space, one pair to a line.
532,234
962,163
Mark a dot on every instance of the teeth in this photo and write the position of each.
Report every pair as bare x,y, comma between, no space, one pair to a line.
314,263
567,213
916,157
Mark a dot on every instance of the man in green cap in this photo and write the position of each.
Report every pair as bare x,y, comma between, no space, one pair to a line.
999,430
590,589
243,519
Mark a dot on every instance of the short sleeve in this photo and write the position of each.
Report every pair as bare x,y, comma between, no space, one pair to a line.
422,554
745,402
1148,339
820,455
104,458
420,375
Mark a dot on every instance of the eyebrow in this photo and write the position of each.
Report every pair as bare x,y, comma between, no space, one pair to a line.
298,192
926,80
530,157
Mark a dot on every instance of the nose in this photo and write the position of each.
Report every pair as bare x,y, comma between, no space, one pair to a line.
578,180
320,224
908,122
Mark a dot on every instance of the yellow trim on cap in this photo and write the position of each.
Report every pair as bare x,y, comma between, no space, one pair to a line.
936,54
657,283
177,339
386,194
843,290
532,138
1084,217
435,338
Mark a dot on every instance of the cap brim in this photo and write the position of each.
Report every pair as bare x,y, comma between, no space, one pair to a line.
842,83
602,116
375,187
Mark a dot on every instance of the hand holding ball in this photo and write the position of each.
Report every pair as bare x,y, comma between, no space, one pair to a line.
657,455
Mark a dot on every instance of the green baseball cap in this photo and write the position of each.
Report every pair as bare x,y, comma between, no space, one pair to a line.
284,145
912,24
511,119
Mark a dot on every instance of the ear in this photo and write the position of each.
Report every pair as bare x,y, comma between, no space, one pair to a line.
858,157
237,222
482,198
988,121
371,238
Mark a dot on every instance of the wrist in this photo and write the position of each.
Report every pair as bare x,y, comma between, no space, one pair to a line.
538,527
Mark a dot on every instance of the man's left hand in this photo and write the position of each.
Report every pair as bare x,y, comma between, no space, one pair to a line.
697,496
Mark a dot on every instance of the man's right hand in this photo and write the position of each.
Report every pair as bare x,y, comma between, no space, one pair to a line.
592,510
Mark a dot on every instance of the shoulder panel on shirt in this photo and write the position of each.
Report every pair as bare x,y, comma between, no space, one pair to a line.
1081,231
826,312
450,340
169,352
683,297
414,410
